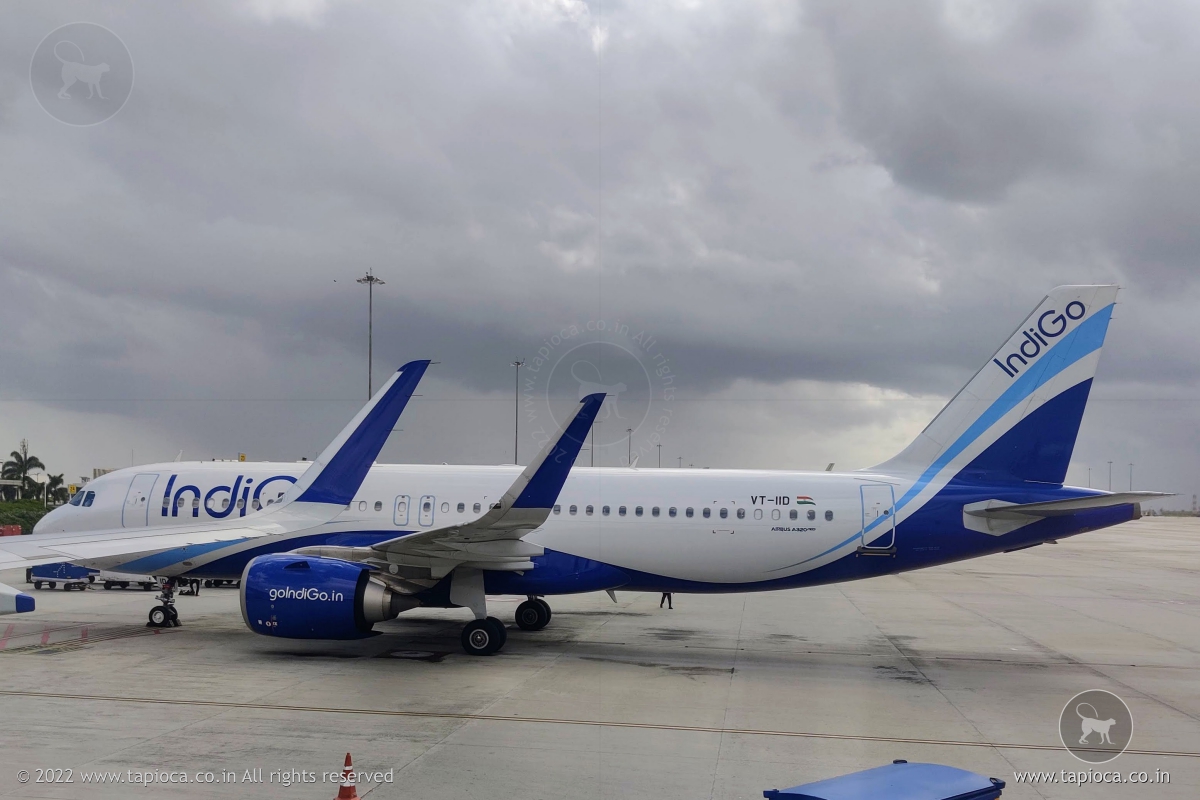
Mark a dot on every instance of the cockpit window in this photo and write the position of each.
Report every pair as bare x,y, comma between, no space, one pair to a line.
87,500
77,498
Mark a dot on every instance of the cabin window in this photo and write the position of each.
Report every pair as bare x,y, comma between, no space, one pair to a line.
87,500
793,514
225,504
573,510
689,513
445,508
774,513
638,511
621,511
741,513
362,505
588,510
707,513
557,509
829,516
475,508
379,505
179,502
427,506
462,507
241,503
811,515
605,511
195,502
256,504
654,511
671,511
724,513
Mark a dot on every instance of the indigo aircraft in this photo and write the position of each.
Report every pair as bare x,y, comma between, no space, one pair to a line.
326,549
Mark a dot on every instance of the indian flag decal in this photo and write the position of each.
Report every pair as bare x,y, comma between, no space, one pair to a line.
804,500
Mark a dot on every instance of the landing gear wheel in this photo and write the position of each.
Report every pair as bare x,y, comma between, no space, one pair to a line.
500,630
480,638
160,616
173,613
546,606
532,615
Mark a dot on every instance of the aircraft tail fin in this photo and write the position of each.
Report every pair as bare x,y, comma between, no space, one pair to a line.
1017,419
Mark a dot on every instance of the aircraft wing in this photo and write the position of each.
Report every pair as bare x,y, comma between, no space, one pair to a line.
320,495
493,541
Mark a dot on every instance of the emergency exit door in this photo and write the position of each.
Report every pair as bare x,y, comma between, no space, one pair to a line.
878,516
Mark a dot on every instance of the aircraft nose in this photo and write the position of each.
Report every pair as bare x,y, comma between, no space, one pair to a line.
47,523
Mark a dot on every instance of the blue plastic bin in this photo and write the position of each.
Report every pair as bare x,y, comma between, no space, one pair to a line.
899,780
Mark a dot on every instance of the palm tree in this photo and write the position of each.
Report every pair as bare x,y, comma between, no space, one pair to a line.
18,469
56,492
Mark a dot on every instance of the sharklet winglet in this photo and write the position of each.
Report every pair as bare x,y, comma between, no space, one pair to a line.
336,475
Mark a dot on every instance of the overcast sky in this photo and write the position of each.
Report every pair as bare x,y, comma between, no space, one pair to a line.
800,225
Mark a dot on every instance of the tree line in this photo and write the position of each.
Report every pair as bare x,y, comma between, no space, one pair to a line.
19,467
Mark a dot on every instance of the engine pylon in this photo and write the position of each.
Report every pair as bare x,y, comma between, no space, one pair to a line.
347,791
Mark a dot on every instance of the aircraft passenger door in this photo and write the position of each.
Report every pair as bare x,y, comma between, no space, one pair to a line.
878,516
400,517
426,513
136,511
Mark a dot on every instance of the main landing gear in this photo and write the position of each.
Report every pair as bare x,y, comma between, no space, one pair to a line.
482,637
165,615
533,614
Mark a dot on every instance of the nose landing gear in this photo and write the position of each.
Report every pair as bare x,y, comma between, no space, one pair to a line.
165,615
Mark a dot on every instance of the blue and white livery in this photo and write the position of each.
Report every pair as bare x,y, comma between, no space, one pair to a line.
985,476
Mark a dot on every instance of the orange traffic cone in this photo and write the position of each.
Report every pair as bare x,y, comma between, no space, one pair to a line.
347,790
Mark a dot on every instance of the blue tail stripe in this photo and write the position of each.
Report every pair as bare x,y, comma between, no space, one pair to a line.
1085,339
543,488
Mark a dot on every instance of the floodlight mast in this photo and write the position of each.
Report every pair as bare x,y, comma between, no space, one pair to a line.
371,281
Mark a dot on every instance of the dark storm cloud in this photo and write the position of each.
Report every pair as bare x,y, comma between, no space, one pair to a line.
805,200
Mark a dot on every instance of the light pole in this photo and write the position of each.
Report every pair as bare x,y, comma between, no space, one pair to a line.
371,281
1131,476
659,446
1110,476
520,362
681,462
1089,477
629,448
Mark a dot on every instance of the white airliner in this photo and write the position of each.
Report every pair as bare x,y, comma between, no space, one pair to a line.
985,476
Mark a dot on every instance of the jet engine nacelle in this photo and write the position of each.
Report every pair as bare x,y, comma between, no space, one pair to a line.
309,597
